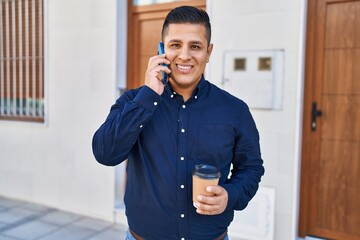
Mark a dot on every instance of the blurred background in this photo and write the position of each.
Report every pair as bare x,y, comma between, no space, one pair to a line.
295,62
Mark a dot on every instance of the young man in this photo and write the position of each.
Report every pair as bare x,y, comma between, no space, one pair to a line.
165,130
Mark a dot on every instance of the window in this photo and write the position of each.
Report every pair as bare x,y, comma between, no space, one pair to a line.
22,60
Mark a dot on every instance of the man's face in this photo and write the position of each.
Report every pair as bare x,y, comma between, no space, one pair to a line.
187,49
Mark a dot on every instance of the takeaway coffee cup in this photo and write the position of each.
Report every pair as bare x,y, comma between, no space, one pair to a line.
203,176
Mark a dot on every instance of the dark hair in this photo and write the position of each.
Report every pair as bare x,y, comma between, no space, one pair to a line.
188,14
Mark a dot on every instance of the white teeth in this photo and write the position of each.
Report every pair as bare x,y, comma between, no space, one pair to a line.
184,67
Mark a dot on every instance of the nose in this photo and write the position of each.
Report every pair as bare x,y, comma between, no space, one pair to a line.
184,53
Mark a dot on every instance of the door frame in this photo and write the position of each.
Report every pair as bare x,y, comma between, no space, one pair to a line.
306,121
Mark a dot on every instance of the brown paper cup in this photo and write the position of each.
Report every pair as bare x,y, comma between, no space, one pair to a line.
203,176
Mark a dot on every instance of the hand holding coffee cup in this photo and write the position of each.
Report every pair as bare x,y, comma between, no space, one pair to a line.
203,176
209,198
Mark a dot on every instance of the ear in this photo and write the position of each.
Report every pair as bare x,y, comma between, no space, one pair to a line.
209,51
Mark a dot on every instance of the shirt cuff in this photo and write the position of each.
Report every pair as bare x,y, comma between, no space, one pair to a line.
147,98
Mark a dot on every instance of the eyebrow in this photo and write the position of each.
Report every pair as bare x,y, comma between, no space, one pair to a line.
179,41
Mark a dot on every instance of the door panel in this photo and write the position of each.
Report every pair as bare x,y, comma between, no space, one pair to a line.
330,178
341,118
341,18
356,70
338,65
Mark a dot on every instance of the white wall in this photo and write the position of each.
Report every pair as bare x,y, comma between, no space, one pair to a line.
263,25
52,163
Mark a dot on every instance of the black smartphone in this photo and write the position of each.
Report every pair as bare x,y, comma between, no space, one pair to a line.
162,51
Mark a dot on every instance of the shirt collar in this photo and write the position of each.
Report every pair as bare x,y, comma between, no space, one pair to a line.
199,90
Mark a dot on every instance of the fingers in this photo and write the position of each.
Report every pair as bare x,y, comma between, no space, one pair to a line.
217,190
155,65
158,63
152,76
157,60
207,209
211,205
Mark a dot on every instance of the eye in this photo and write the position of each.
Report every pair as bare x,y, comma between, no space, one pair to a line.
175,45
195,47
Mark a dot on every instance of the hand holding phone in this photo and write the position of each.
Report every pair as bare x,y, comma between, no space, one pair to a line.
162,51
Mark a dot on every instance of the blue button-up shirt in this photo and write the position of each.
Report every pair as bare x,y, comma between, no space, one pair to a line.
163,138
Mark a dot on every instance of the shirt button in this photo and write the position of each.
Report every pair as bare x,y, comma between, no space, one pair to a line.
182,158
172,96
183,106
182,238
182,215
195,97
155,103
182,130
182,186
141,126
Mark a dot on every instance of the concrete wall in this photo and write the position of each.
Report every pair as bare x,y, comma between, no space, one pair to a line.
263,25
52,163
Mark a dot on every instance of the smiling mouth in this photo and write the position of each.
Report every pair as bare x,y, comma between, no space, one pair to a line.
183,67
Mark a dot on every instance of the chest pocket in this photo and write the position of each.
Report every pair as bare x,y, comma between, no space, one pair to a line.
216,144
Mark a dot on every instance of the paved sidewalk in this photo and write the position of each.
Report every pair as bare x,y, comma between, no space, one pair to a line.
26,221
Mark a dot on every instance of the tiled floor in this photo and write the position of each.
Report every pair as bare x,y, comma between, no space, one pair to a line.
25,221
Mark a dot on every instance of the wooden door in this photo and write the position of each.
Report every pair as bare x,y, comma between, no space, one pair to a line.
144,33
330,175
